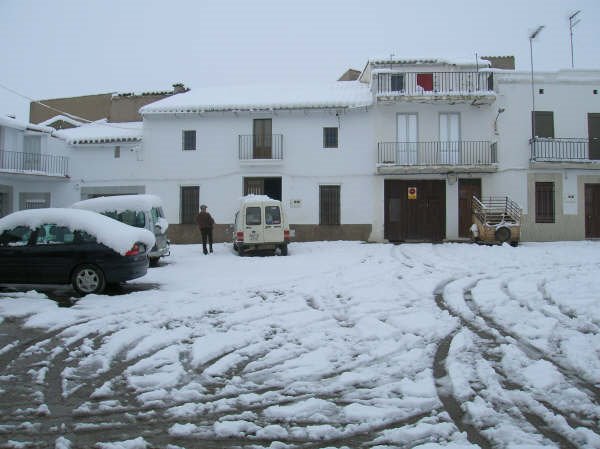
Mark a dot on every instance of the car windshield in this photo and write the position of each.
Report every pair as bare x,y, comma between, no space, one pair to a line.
130,217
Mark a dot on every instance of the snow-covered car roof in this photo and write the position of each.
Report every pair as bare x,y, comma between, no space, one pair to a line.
112,233
257,199
120,203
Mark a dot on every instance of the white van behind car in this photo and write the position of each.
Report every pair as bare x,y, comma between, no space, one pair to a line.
141,211
261,224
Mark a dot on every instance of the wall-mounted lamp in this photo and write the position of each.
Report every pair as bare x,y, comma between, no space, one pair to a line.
500,111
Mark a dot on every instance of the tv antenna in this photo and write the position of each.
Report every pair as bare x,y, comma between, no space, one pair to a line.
572,23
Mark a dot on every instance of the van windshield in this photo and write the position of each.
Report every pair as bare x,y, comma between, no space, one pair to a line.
272,215
130,217
253,216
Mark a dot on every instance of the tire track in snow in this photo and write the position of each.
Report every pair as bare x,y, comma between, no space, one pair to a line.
451,404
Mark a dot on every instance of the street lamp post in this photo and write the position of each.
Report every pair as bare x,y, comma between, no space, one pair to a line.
532,36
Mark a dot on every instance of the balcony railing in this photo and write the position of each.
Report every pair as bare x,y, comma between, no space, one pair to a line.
464,152
565,149
434,84
34,164
255,146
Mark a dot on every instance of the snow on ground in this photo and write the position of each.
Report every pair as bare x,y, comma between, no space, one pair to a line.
340,344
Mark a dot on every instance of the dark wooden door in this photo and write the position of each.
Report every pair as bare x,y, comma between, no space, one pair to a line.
262,138
467,188
594,135
592,211
415,210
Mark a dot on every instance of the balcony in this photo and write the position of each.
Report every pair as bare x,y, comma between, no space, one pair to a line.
34,164
436,157
565,150
467,87
260,149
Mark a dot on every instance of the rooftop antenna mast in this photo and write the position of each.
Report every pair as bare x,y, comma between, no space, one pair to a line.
572,23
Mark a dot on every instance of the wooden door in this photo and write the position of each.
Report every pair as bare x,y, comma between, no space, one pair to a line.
415,210
262,138
467,188
594,136
592,211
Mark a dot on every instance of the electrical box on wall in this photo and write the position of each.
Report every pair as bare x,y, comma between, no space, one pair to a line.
295,203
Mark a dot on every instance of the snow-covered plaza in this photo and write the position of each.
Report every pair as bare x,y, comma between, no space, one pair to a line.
340,344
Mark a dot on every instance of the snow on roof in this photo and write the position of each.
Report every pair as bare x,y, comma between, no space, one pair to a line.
61,117
10,122
112,233
431,61
102,132
343,94
120,203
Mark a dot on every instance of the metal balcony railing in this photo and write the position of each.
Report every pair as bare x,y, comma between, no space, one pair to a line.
564,149
435,83
463,152
253,147
34,164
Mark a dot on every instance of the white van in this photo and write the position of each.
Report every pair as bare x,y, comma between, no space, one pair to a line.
141,211
260,224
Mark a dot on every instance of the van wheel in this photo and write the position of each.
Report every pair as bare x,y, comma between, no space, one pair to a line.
241,251
154,261
88,279
283,249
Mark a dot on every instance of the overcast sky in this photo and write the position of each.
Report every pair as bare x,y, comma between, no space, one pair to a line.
64,48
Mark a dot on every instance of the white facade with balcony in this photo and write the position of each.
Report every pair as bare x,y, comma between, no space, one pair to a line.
344,158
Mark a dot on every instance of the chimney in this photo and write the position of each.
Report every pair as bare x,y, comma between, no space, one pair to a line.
179,88
501,62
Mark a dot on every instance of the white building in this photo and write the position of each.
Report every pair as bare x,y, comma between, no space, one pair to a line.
34,166
395,155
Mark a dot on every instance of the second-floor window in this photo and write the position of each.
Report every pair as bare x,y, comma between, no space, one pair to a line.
330,137
189,140
397,82
543,124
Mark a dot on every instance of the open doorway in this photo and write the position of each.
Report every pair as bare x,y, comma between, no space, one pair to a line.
263,186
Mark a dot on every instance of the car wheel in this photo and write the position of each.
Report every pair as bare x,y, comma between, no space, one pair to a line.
284,250
88,279
153,261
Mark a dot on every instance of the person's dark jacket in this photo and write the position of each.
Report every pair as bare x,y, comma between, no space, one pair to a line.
204,220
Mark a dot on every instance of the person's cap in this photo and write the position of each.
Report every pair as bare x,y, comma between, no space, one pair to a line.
203,206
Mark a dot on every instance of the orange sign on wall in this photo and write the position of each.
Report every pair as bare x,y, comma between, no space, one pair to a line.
412,193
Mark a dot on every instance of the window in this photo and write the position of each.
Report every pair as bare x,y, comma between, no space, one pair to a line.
425,81
543,124
330,137
189,140
329,205
272,215
18,236
253,216
190,199
29,200
50,234
544,202
396,82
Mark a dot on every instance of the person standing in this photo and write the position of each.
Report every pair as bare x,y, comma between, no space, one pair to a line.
205,223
